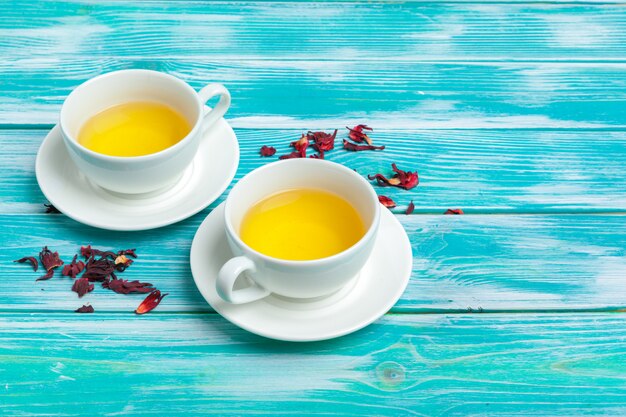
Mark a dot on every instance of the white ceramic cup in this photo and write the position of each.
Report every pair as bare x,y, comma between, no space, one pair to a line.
295,279
146,173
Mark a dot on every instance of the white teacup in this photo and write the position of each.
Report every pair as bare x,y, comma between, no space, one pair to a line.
295,279
147,173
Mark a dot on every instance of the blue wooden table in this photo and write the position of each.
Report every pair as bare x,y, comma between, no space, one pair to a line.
513,111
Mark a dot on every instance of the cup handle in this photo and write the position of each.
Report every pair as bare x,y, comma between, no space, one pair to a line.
227,276
220,109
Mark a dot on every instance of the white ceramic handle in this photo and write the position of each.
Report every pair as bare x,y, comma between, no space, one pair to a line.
226,280
208,92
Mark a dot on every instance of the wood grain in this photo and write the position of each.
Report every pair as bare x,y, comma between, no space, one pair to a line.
471,262
435,365
481,171
312,31
322,94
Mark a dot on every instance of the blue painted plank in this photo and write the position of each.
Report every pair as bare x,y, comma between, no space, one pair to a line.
320,94
248,30
196,365
477,262
494,171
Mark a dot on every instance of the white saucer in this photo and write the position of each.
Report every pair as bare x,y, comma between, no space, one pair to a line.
210,173
379,285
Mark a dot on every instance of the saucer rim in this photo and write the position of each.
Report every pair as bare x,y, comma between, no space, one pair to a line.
56,131
403,242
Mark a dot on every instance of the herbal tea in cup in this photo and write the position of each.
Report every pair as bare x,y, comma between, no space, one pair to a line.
135,128
300,228
302,224
137,131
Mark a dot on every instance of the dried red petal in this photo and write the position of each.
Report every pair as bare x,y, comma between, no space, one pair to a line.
319,155
122,286
356,148
152,300
46,277
50,209
31,259
129,252
82,286
401,179
322,141
99,269
85,309
410,208
301,145
386,201
357,135
267,150
49,259
73,269
88,252
291,155
454,211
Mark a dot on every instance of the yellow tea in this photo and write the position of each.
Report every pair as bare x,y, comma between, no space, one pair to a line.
301,224
134,129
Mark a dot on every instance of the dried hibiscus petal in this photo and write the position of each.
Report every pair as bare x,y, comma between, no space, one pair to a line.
82,286
291,155
99,270
267,150
301,145
85,309
129,252
152,300
31,259
349,146
122,286
454,211
386,201
49,259
50,209
46,277
73,268
319,155
322,141
357,135
88,252
401,179
410,208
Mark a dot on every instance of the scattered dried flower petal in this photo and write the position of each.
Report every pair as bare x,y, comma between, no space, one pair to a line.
357,135
349,146
46,277
50,209
85,309
291,155
386,201
31,259
82,286
301,145
122,286
267,150
152,300
454,211
319,155
88,252
99,269
322,141
401,179
410,208
73,268
49,259
129,252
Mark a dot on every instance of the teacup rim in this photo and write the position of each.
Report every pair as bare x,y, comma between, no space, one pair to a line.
148,157
372,229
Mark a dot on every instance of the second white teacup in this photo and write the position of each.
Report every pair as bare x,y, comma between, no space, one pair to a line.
146,173
295,278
